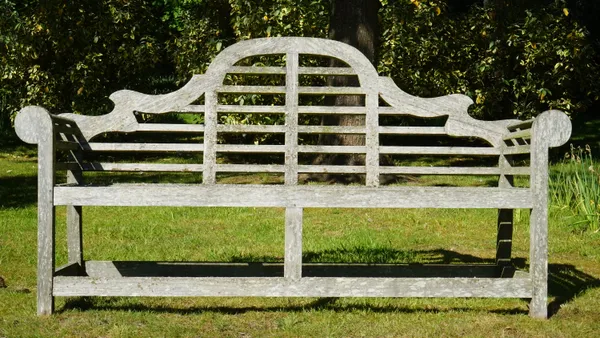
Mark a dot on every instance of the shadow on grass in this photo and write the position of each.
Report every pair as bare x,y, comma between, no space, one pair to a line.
18,191
565,283
320,304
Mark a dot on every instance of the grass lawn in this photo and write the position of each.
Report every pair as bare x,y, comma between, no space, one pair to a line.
247,234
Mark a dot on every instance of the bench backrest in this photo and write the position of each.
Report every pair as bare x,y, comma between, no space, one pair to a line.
287,82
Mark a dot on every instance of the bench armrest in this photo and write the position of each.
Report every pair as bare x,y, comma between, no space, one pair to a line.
35,125
551,129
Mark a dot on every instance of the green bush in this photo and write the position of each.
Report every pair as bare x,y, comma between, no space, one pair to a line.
68,56
514,61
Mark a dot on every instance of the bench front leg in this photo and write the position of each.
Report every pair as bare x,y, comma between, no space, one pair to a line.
34,125
74,221
46,226
550,129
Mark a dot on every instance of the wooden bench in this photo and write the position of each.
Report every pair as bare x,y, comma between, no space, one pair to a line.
286,82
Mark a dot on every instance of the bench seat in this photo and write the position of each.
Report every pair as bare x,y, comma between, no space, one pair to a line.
309,196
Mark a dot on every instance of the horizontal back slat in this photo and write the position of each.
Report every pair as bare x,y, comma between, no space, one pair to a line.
332,90
171,128
525,134
326,71
250,168
517,150
109,166
250,109
454,170
332,110
144,147
252,89
413,130
331,130
312,196
423,150
332,169
332,149
255,70
250,148
245,128
282,70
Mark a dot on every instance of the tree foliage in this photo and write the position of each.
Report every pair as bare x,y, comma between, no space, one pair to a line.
514,58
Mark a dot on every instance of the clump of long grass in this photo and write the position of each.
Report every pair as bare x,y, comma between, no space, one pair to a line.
575,185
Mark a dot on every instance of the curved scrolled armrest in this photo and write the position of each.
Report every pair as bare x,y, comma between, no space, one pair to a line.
552,128
33,124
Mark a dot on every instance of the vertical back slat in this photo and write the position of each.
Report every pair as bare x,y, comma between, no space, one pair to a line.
291,119
210,138
372,138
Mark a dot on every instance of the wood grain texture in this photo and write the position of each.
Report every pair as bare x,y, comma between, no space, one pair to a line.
523,171
210,139
505,216
143,147
293,244
171,128
550,129
332,110
414,150
372,139
74,135
222,108
74,223
282,287
291,122
306,196
35,125
413,130
159,167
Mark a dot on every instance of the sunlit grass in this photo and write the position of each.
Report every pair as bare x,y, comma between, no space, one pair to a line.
256,234
575,186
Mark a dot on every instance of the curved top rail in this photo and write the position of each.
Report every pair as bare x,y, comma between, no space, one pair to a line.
359,63
122,119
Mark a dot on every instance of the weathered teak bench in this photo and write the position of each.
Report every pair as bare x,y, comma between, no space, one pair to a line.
293,72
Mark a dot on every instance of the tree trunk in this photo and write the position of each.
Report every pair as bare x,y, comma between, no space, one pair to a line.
356,23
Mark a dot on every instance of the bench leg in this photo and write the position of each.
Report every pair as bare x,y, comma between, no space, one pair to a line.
505,220
74,237
74,217
538,267
504,237
293,244
46,222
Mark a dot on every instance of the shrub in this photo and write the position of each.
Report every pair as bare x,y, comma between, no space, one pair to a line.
514,61
575,186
